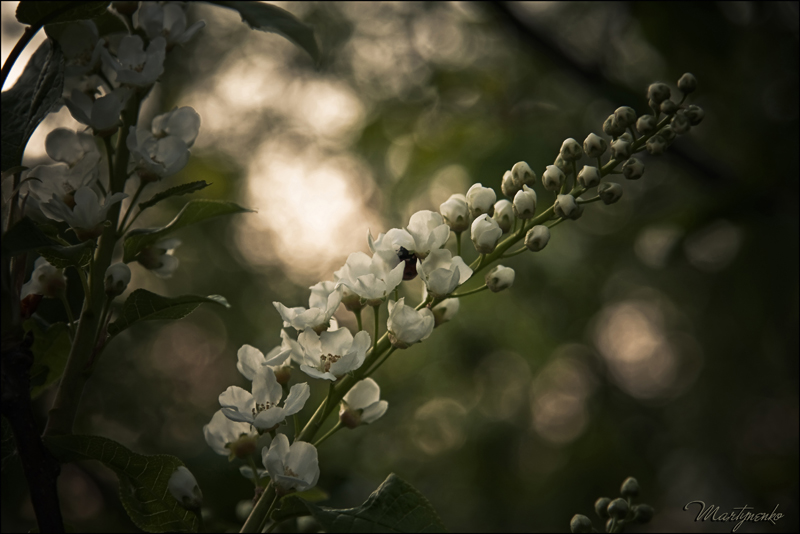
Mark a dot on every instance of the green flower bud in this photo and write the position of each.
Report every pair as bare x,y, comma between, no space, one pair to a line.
687,83
589,176
680,123
601,507
580,523
612,127
643,513
595,146
695,114
609,192
630,487
571,150
618,508
656,145
537,238
625,116
620,149
646,124
658,92
633,169
669,107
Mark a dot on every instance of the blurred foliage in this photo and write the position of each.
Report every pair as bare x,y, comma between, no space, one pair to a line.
656,337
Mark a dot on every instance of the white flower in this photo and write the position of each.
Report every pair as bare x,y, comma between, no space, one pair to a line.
81,46
183,486
160,258
46,280
168,21
118,276
324,300
333,354
589,176
537,237
362,404
443,273
485,234
504,215
261,408
294,468
221,432
279,359
456,213
78,159
165,151
372,279
183,123
481,199
87,216
133,65
564,205
406,325
500,278
553,178
525,203
426,231
101,114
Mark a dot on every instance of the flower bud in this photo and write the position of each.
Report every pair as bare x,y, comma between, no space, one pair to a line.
695,114
537,237
589,176
564,205
656,145
485,234
609,192
504,214
618,508
46,280
351,300
668,134
456,213
594,146
633,169
625,116
500,278
643,513
627,137
525,203
680,123
523,174
243,447
445,310
620,149
571,150
658,92
580,523
553,178
646,124
601,507
612,127
687,83
563,165
669,107
480,200
283,374
629,488
508,186
118,276
183,486
577,212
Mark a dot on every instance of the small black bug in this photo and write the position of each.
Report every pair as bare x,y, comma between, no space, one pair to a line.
410,270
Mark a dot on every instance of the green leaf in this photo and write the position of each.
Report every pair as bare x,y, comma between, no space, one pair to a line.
38,13
394,507
25,236
50,352
291,507
270,18
178,190
143,305
69,256
24,106
315,494
143,481
193,212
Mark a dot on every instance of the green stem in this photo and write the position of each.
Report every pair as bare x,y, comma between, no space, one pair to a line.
84,282
122,227
470,292
271,509
260,510
557,222
296,427
375,368
458,243
253,468
377,310
70,317
512,254
328,434
357,313
587,200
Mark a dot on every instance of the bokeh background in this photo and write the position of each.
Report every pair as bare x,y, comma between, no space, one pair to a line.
655,338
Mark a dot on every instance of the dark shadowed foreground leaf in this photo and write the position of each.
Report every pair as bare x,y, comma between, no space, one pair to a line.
50,352
178,190
49,12
143,305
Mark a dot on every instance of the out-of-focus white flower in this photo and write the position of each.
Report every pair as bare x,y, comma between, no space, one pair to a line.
183,123
564,205
504,215
135,66
247,472
260,408
362,404
456,212
165,151
443,273
46,280
537,238
372,279
485,234
183,486
118,276
294,468
160,257
101,114
406,325
229,438
525,203
481,200
168,21
553,178
426,231
87,216
500,278
445,310
333,354
322,303
82,46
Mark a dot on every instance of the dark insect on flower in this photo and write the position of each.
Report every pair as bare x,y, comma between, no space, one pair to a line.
410,270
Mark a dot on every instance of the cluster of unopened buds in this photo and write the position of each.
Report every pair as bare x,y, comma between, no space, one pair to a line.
325,351
617,512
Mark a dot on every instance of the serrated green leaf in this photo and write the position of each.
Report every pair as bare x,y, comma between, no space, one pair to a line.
394,507
178,190
50,352
143,481
193,212
25,236
38,13
143,305
69,256
270,18
315,494
24,106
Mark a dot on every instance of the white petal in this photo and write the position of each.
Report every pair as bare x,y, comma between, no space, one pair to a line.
250,361
267,419
316,373
374,412
274,459
363,394
302,459
265,387
238,399
296,398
